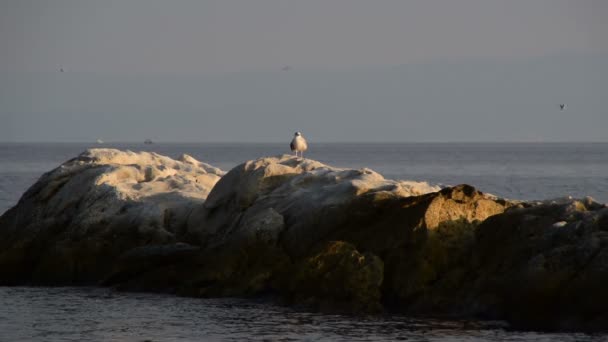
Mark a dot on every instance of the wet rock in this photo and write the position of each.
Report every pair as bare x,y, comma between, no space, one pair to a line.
159,268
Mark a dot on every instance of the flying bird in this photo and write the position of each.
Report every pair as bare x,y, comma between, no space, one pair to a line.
298,144
286,68
61,70
562,106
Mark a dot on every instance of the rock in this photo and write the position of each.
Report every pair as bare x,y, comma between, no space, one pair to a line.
159,268
307,199
339,278
539,274
329,238
428,252
252,268
77,219
518,265
292,207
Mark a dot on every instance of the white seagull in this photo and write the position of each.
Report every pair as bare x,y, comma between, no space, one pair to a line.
298,144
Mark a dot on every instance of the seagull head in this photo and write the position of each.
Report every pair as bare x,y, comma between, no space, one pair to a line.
298,134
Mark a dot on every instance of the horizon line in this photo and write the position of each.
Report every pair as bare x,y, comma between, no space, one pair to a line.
314,142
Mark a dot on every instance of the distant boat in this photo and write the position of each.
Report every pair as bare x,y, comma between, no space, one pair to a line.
148,142
99,141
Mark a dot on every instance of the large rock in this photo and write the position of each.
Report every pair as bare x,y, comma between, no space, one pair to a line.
295,207
544,265
298,201
537,265
329,238
77,219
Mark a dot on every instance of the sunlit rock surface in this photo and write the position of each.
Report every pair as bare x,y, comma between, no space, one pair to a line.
72,224
299,200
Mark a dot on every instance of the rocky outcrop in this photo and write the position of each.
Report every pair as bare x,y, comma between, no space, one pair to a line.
77,219
544,265
327,238
295,208
298,201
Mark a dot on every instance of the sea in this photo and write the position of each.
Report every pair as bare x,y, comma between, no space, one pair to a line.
526,171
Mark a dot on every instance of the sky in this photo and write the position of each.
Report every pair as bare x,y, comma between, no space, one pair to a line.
212,71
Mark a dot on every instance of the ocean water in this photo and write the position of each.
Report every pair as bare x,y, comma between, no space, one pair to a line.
99,314
518,171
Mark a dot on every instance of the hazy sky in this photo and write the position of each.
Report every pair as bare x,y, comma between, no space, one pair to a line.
360,70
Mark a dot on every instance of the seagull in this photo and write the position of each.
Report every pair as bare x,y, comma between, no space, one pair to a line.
562,106
286,68
298,144
61,70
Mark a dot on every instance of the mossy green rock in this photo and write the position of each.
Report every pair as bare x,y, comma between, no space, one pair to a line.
338,277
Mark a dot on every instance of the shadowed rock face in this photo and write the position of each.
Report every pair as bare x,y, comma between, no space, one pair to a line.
545,266
339,277
332,239
72,224
538,265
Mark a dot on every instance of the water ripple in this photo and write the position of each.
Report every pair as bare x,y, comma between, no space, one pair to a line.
100,314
